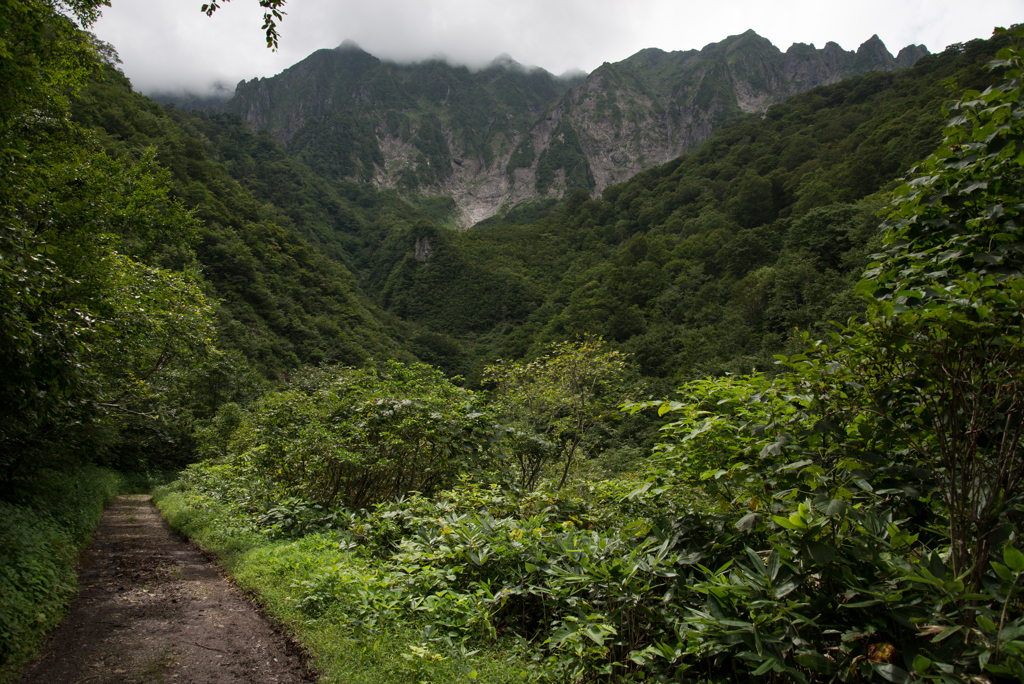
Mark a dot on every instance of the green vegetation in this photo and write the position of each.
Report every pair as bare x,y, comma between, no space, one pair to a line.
283,299
339,603
700,266
552,406
565,154
179,289
853,516
42,530
342,436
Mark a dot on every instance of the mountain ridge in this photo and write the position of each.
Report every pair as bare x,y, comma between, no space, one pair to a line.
505,134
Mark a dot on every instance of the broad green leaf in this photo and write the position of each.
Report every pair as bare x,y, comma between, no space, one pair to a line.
1013,558
768,664
822,554
1016,667
892,673
816,662
774,561
1002,571
986,624
862,604
830,507
1011,632
756,562
946,633
594,635
784,522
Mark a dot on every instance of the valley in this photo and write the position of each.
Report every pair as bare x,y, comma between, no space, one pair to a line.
702,366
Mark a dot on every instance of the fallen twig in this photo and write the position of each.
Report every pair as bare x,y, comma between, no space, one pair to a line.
208,648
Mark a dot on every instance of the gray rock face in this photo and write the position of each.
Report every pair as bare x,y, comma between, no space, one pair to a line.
423,249
509,133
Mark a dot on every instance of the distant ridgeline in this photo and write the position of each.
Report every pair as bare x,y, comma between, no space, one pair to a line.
704,264
493,138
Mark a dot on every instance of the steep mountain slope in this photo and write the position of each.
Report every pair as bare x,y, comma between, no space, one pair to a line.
427,127
494,138
699,265
282,300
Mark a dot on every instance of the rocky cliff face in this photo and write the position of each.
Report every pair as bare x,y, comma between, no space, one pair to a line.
506,134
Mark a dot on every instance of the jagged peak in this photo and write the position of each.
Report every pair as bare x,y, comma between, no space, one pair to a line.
738,41
796,48
748,36
909,55
573,75
873,44
832,47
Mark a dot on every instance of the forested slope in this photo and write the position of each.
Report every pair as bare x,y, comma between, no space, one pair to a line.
282,300
703,264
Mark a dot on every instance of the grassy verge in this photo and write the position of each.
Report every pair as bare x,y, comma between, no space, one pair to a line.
42,530
345,650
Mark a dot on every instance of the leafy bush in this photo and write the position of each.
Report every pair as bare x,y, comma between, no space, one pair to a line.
355,436
553,405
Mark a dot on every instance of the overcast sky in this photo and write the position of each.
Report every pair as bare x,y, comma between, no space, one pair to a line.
171,45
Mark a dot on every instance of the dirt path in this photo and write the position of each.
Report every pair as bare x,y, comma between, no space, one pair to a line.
152,610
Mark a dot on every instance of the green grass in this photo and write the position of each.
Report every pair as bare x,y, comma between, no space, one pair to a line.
43,527
343,650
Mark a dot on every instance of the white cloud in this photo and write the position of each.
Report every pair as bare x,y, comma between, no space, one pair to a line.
170,44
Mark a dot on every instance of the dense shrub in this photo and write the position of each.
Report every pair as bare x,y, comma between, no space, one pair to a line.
42,530
355,436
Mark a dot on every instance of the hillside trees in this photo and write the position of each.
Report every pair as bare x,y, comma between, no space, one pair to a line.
94,335
703,265
275,245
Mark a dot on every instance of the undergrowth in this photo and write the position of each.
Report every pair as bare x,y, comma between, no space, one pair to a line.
42,529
